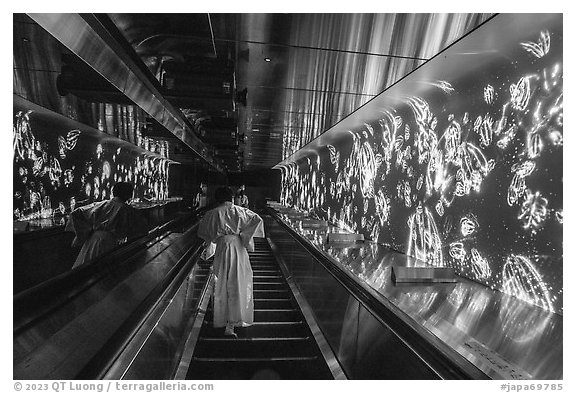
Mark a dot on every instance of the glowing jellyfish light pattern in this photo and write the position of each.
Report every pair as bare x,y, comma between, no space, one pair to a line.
489,94
540,48
457,251
468,225
424,241
522,280
534,211
50,174
480,265
429,158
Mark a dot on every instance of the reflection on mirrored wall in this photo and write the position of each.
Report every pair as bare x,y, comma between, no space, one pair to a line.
410,39
56,169
466,173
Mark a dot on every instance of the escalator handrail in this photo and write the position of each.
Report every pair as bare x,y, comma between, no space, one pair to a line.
38,301
445,361
103,360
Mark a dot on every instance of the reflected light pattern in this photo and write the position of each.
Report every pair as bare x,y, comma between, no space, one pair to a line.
522,280
53,174
479,157
522,324
424,241
411,38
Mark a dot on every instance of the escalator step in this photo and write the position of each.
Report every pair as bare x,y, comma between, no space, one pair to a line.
269,285
286,368
271,294
243,348
269,279
265,272
260,330
263,264
273,303
277,346
277,315
265,304
268,315
268,268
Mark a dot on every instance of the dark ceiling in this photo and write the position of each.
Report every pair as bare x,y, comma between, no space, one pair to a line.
257,87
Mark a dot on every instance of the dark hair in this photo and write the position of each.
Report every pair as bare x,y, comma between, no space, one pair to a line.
123,190
223,194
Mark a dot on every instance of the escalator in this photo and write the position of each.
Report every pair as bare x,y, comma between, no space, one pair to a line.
145,313
280,344
83,323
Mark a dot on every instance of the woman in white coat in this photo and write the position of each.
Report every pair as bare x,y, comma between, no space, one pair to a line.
232,229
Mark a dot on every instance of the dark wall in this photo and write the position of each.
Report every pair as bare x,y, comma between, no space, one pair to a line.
260,185
183,181
468,173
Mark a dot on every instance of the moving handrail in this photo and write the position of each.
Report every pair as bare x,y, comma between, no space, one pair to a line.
443,360
158,298
151,283
36,302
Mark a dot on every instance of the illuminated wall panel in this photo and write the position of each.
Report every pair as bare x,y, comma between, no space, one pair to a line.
409,38
57,168
462,170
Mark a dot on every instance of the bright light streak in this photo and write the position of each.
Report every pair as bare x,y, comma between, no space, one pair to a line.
445,86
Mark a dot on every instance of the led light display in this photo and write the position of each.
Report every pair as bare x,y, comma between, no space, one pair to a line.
467,173
409,38
56,170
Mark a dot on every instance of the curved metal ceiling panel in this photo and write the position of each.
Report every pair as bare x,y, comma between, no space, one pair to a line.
325,66
303,73
80,34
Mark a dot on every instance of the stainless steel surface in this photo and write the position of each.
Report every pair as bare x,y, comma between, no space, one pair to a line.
40,62
323,345
64,343
192,338
48,116
303,72
88,40
364,346
323,67
460,59
153,351
503,336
